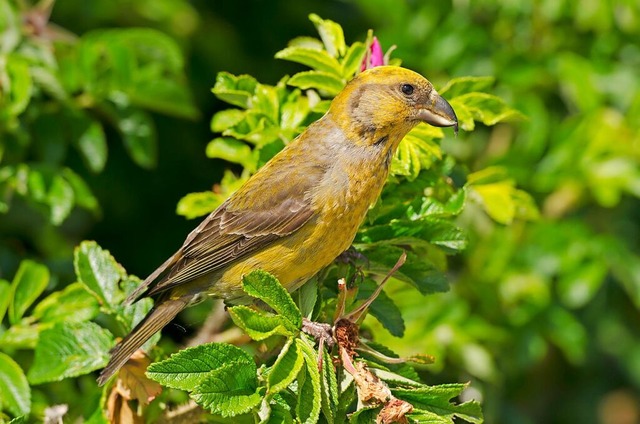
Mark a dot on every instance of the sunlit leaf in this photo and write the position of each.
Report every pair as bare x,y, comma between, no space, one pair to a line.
15,393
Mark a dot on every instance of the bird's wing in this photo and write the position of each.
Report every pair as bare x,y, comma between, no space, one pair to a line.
263,210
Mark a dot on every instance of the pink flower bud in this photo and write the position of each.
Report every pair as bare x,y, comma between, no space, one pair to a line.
374,57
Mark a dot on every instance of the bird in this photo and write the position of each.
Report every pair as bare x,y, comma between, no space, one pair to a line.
302,209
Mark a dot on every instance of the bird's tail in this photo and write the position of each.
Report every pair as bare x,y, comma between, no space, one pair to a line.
159,316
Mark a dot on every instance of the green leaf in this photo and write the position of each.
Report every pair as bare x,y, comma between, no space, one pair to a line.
229,390
319,60
578,286
60,199
306,42
82,194
463,85
21,336
29,282
73,304
231,150
417,151
417,271
436,399
353,59
131,315
15,393
10,27
331,34
18,92
294,111
139,136
308,297
99,272
330,396
237,90
194,205
435,208
278,414
5,297
187,368
260,325
286,368
383,308
483,107
266,287
92,145
322,81
226,119
69,350
309,389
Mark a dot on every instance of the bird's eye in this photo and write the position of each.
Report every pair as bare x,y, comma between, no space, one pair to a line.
407,89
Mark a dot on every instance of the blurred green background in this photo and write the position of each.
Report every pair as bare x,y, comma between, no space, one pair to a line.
542,317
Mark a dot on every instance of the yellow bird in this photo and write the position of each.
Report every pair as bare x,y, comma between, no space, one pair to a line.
302,209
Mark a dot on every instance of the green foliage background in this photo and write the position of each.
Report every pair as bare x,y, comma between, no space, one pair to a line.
543,314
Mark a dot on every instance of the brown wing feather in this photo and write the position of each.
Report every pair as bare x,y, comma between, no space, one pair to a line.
263,210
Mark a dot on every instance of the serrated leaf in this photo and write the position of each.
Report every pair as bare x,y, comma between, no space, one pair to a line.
483,107
15,393
231,150
309,389
286,368
69,350
266,287
278,414
365,415
319,60
260,325
236,90
436,399
353,59
131,315
417,151
322,81
73,304
187,368
463,85
99,272
229,390
331,34
330,396
29,282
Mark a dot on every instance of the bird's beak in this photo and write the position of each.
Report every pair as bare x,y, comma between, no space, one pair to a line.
439,113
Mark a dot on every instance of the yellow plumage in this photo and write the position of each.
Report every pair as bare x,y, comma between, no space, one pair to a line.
303,208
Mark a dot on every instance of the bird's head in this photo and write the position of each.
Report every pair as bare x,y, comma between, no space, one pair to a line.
388,101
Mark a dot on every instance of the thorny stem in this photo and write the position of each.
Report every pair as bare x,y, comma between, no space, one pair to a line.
356,314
